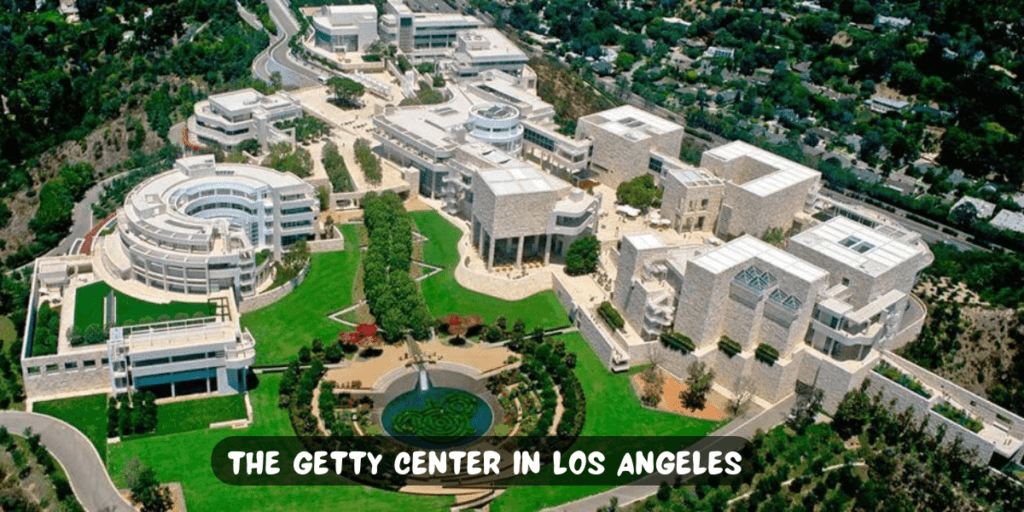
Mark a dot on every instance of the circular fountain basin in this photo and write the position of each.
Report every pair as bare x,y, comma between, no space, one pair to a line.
438,417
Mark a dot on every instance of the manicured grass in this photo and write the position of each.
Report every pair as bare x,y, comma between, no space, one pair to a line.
197,414
89,307
185,458
444,295
86,413
7,331
294,321
613,409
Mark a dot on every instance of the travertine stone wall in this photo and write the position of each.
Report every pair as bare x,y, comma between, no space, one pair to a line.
512,215
599,341
630,261
681,203
695,314
618,159
921,407
50,376
974,404
265,299
862,286
711,305
753,214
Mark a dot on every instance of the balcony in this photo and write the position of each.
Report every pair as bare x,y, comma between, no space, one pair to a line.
243,353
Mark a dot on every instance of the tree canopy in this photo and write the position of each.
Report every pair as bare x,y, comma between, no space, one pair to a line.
346,91
582,256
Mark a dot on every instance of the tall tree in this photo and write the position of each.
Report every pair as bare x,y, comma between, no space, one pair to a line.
698,384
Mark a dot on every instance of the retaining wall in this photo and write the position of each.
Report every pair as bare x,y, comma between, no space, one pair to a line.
265,299
974,404
49,376
921,407
596,337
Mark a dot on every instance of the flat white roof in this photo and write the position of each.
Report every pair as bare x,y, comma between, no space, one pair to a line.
352,9
627,118
744,249
691,176
488,42
243,99
520,180
1006,219
645,241
788,172
856,245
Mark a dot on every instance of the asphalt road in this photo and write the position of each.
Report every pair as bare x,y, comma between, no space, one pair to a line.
78,457
81,217
276,57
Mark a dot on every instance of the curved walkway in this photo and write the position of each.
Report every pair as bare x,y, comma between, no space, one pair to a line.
79,458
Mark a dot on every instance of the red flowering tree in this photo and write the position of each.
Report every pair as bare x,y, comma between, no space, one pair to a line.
366,330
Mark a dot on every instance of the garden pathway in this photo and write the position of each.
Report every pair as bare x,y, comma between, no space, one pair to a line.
76,454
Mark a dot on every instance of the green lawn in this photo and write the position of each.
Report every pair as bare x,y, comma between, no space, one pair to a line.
197,414
612,410
444,295
86,413
185,458
89,307
7,331
294,321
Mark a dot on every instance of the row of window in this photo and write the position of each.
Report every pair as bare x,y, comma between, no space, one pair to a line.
87,364
295,224
178,359
539,139
216,206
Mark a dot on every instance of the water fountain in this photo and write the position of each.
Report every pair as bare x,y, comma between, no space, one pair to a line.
424,379
436,417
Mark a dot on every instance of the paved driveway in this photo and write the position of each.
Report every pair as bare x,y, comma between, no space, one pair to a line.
88,475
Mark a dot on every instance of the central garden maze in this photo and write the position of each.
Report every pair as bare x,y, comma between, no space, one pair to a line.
437,417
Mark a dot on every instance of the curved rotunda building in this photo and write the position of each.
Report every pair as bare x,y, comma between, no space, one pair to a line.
198,228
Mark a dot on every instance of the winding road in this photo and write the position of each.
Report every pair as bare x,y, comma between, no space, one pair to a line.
82,217
79,458
276,57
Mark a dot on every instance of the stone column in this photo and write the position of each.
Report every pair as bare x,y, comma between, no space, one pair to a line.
547,248
519,252
490,256
207,385
173,391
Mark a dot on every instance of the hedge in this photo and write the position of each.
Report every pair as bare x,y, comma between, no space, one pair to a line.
766,354
959,416
729,346
677,341
894,374
611,316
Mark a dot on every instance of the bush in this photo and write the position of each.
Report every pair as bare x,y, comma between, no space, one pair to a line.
334,353
729,346
367,161
766,354
894,374
959,416
337,171
678,341
611,316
